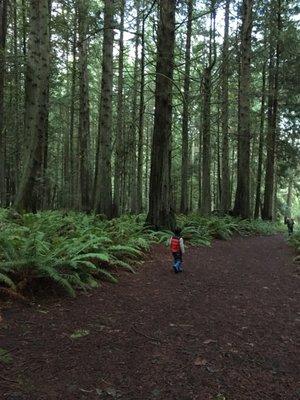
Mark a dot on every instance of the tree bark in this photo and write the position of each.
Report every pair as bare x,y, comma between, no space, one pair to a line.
32,188
120,150
261,145
3,32
206,144
242,197
132,145
72,173
103,187
225,182
139,185
160,213
185,114
267,211
84,109
289,197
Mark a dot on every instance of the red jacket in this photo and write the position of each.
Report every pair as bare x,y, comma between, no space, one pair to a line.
175,244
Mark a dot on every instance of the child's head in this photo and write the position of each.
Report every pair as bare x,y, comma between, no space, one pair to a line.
177,231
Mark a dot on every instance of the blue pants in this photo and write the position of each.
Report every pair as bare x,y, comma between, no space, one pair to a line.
177,263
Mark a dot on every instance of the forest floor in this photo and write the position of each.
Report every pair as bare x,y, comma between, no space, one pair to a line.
223,329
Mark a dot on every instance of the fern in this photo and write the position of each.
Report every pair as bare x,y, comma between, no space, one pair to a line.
7,281
107,275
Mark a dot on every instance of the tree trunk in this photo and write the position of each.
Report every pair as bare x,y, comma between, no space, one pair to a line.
3,31
72,173
185,114
261,145
267,211
84,109
31,190
132,144
200,152
289,197
242,197
103,189
206,145
120,150
225,182
160,213
139,185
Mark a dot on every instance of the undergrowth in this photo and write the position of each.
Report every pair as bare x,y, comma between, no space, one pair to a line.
76,251
294,240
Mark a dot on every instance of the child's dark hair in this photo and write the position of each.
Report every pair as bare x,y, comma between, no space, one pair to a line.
177,231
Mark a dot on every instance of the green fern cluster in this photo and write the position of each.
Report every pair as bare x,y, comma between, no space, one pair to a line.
74,250
199,230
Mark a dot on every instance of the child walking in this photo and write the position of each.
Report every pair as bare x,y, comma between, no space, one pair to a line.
177,247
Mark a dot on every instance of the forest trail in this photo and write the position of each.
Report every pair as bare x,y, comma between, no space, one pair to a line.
224,329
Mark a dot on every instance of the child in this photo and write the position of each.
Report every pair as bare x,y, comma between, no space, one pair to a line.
177,247
290,224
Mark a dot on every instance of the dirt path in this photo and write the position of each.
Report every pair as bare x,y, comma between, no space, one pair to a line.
224,329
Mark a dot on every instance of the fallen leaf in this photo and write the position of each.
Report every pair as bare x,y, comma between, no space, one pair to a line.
111,392
200,361
209,341
80,333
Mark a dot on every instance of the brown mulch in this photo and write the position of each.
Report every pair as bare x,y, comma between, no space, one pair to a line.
226,328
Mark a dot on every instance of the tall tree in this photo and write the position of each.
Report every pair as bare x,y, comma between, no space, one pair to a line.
30,195
132,140
103,188
225,182
206,118
139,184
273,83
84,109
261,144
185,113
160,212
119,156
3,31
71,173
242,197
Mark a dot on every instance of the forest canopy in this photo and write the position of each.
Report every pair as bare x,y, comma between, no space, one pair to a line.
157,107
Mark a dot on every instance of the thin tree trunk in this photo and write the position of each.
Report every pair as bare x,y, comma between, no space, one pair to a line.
225,185
120,150
200,152
84,109
261,145
242,197
206,145
185,114
72,171
132,192
289,197
31,190
103,187
160,212
17,102
24,28
3,31
139,185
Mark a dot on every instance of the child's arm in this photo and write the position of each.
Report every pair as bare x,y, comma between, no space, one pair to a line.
182,246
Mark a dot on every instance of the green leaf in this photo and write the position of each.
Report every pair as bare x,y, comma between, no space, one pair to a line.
89,256
5,357
79,333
